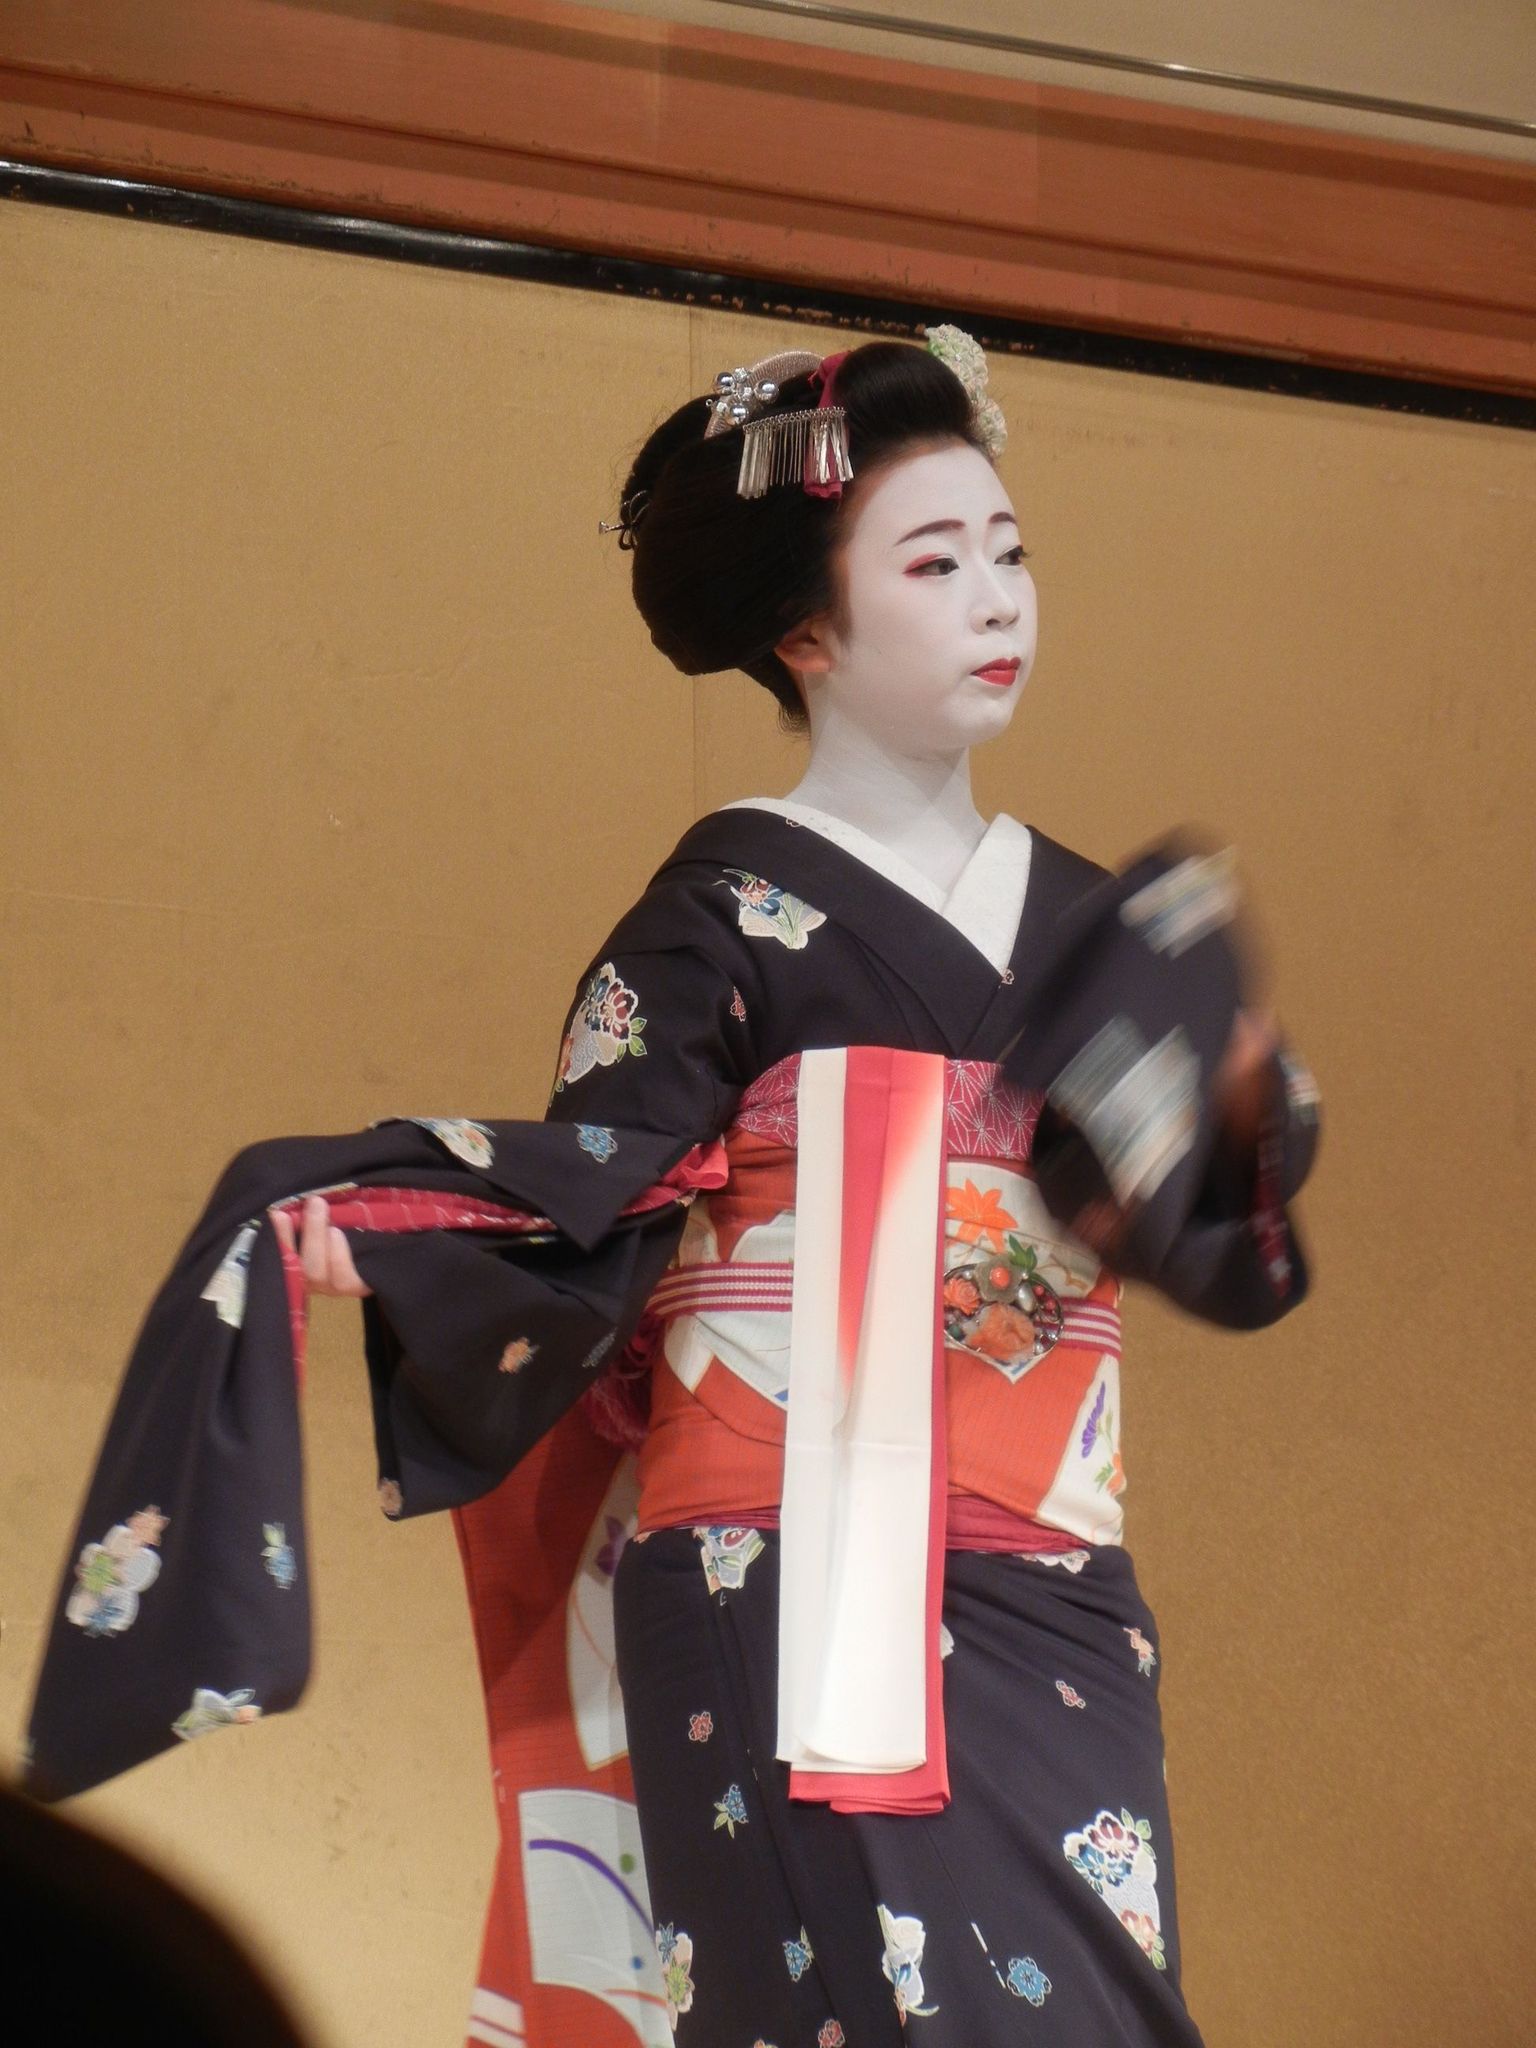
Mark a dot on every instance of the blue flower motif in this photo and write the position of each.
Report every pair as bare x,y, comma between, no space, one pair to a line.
113,1612
731,1811
798,1956
1027,1980
1095,1866
598,1140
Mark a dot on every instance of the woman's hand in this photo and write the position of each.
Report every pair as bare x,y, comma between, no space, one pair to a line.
324,1251
1244,1087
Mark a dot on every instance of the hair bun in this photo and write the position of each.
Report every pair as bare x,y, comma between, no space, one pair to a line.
720,579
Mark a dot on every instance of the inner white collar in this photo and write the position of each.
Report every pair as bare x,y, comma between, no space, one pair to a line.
987,899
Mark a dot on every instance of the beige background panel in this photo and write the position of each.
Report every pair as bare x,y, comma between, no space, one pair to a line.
1478,58
335,747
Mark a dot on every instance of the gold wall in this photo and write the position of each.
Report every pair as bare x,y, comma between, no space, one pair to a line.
334,746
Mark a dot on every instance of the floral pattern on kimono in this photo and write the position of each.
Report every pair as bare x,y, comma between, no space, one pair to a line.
1101,1423
210,1710
676,1952
1070,1560
1146,1656
464,1138
1026,1979
726,1553
1009,1269
766,912
598,1141
278,1555
516,1355
731,1811
605,1027
227,1289
110,1575
799,1956
1116,1857
903,1962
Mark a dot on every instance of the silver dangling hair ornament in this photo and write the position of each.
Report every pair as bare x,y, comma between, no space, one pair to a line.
811,445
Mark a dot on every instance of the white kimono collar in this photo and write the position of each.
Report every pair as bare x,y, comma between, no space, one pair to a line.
987,900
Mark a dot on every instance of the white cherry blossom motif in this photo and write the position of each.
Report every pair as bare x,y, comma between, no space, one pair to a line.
903,1962
110,1575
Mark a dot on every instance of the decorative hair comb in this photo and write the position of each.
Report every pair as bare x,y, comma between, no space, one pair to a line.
811,445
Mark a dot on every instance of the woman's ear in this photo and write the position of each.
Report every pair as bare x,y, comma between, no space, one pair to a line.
806,648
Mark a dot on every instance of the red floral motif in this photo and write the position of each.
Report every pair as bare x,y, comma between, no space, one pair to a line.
979,1215
1144,1928
738,1007
1070,1696
1113,1838
831,2035
962,1293
701,1727
617,1007
1002,1333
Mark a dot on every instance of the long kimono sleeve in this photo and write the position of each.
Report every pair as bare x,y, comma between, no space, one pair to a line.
1136,998
507,1260
1237,1259
472,1360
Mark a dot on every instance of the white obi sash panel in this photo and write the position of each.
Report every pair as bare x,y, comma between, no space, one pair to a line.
862,1522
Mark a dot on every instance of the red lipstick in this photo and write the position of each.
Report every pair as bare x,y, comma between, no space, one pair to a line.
1002,672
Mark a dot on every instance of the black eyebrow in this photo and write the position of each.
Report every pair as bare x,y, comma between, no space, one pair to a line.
950,526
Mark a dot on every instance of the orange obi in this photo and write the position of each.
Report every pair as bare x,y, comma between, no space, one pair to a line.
1031,1329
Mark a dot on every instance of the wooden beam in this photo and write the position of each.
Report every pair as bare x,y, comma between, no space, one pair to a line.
552,123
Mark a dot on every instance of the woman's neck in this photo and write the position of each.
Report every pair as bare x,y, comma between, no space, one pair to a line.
918,807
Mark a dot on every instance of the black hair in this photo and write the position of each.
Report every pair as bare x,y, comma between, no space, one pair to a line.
720,579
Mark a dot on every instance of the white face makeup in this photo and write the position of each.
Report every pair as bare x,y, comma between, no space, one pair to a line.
934,588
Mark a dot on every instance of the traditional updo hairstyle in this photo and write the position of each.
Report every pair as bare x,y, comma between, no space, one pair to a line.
720,579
